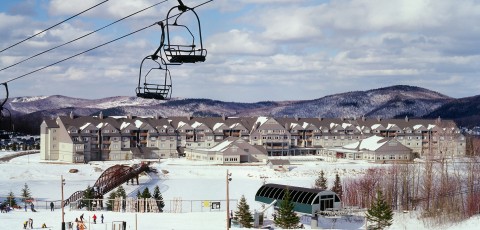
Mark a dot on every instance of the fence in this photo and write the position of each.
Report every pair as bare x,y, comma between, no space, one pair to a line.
38,204
177,205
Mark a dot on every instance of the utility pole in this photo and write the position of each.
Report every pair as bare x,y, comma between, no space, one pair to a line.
62,203
228,179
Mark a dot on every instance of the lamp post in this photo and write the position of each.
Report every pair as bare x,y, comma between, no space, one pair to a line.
228,179
63,213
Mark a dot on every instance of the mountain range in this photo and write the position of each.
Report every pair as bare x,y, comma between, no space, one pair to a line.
390,102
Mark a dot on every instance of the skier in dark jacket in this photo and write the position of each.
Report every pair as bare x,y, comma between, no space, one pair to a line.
52,206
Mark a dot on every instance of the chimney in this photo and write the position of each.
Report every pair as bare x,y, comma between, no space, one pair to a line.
157,116
296,117
320,118
224,117
100,115
406,118
129,116
363,118
379,118
71,114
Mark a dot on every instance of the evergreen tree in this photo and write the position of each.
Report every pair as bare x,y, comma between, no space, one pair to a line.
243,214
111,200
337,186
87,198
25,193
121,192
321,181
159,198
139,195
286,217
380,213
11,200
146,193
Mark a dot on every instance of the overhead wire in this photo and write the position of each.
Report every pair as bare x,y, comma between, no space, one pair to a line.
28,38
103,44
83,36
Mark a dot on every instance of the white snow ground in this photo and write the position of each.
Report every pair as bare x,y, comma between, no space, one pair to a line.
186,180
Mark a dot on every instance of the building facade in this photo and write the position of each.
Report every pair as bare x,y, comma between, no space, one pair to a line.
83,139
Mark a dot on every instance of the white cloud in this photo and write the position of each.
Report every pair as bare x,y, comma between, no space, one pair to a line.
238,42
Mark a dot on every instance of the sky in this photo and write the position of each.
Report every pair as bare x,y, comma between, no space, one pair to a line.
258,50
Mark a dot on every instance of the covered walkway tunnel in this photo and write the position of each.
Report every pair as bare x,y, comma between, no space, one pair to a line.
305,200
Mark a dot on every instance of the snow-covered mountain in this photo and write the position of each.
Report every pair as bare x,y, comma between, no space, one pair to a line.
389,102
384,102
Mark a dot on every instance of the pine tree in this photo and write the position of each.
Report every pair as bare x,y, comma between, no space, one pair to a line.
121,192
337,186
380,213
139,195
321,181
11,200
286,217
159,198
111,200
25,193
87,198
146,193
243,213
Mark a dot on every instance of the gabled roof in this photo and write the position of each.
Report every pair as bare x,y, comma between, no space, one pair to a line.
372,143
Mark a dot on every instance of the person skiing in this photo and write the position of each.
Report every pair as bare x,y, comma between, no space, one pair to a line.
52,206
30,222
32,207
101,218
81,218
25,224
94,218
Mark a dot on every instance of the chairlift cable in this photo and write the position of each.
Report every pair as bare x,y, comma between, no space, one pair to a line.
34,71
103,44
53,26
83,36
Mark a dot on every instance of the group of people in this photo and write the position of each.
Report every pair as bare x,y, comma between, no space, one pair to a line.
4,208
32,207
28,223
80,221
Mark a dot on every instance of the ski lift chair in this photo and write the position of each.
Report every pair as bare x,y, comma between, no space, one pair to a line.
4,112
183,52
147,88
